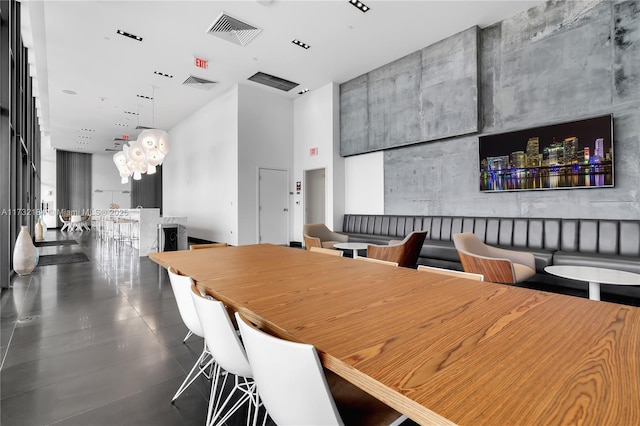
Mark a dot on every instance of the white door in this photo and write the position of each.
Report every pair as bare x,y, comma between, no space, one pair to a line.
273,206
314,196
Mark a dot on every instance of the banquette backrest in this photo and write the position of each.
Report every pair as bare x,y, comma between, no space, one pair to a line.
607,237
602,236
388,225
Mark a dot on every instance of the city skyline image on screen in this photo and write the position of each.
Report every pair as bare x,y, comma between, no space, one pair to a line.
576,154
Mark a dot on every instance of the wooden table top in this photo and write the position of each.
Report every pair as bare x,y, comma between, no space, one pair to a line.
439,349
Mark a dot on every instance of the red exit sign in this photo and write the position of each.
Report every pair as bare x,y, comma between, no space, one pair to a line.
201,63
313,151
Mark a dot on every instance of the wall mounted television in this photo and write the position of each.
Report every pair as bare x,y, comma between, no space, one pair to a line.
576,154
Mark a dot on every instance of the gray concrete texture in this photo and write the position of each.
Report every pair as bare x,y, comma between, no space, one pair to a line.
559,62
427,95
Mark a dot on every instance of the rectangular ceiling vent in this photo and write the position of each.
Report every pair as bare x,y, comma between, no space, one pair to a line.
273,81
233,29
200,83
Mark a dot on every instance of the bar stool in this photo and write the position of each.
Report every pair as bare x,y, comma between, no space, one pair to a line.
125,226
105,228
96,225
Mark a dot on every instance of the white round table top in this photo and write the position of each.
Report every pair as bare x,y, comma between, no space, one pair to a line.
594,274
351,246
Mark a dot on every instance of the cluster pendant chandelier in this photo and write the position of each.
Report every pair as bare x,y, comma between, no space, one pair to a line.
142,155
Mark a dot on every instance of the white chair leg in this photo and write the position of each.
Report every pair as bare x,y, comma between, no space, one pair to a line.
213,394
187,336
201,368
398,421
248,391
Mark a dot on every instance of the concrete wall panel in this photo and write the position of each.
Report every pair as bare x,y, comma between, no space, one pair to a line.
626,51
427,95
394,99
554,65
354,103
449,104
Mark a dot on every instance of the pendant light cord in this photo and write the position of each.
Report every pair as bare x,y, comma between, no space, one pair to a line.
153,107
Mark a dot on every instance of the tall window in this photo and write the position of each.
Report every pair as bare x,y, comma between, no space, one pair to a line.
19,139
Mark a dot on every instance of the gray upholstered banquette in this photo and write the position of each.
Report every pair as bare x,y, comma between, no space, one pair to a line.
589,242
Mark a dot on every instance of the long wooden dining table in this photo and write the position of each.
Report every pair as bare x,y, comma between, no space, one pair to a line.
440,349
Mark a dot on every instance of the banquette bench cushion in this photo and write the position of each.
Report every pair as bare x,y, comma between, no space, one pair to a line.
589,242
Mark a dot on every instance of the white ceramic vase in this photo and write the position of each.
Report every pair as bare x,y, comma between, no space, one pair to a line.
43,223
39,231
24,253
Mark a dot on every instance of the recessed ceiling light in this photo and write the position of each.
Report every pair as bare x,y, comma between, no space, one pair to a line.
299,43
303,91
163,74
131,112
145,97
69,92
357,3
126,34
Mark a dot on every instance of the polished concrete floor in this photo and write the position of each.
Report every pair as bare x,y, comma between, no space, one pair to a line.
96,343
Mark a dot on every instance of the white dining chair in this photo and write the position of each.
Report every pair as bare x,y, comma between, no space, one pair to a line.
228,351
76,223
372,260
330,252
451,272
66,223
181,286
294,389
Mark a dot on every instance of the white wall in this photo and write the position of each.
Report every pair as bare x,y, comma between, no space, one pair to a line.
106,178
200,173
364,183
316,125
339,171
265,129
48,180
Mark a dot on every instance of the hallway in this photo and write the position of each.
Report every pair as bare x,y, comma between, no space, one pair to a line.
96,343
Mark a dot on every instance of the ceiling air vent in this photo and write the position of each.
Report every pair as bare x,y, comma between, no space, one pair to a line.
273,81
233,29
200,83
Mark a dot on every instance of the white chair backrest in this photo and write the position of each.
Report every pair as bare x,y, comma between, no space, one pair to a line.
372,260
290,379
76,219
450,272
330,252
220,335
181,286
